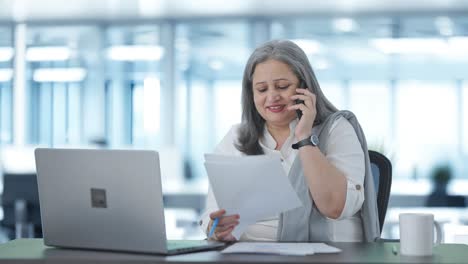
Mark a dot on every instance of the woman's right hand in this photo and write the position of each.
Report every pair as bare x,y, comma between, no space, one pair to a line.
226,223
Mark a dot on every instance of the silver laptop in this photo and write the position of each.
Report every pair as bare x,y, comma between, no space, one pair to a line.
106,200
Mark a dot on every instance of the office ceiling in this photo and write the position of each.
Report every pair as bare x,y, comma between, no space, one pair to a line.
313,19
50,10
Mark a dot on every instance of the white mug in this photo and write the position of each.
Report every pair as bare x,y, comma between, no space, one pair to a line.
417,234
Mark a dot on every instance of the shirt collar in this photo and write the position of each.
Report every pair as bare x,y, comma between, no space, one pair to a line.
268,142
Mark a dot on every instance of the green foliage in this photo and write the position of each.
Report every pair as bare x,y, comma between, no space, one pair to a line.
442,174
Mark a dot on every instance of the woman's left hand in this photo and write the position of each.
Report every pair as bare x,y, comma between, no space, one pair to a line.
309,112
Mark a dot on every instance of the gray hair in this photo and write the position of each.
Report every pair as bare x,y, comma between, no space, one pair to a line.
287,52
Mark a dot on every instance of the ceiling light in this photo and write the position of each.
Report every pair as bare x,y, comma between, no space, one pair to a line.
48,53
410,45
135,53
6,75
59,75
6,53
345,25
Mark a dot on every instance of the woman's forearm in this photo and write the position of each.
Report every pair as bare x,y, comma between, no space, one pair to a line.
327,184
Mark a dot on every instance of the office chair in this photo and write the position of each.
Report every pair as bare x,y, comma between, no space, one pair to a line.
382,172
20,202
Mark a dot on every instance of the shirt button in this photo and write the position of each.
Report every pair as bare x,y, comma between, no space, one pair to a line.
358,187
200,223
282,160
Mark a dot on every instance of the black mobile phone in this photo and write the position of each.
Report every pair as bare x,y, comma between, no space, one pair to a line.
299,112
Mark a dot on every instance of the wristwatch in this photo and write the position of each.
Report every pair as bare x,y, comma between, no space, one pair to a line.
313,141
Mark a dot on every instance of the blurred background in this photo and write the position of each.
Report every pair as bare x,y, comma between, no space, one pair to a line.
166,75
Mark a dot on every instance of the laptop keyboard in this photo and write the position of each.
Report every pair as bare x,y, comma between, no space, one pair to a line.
175,244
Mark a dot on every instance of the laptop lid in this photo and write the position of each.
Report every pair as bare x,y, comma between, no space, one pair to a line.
101,199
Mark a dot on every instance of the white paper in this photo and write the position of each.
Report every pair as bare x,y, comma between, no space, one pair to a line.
297,249
255,187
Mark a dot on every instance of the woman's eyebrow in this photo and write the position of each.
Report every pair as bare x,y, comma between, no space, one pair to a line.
281,79
275,80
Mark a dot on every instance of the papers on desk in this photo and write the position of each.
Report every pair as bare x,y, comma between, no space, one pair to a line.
255,187
296,249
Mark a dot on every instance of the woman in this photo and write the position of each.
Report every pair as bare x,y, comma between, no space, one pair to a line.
279,86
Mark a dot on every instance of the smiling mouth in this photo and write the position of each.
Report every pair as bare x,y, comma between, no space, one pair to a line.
276,108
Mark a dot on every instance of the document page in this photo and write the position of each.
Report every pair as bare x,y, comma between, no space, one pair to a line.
296,249
255,187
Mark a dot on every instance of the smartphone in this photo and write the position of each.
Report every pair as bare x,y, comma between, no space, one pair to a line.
299,112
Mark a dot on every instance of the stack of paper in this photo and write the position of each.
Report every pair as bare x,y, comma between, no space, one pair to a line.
297,249
255,187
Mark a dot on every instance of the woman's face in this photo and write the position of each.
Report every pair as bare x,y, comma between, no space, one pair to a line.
273,84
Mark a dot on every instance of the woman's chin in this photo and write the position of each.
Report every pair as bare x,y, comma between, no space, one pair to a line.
279,120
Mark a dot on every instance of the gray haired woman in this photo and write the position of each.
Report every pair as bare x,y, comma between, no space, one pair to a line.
285,112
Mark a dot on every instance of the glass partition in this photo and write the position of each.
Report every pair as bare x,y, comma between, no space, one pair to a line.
210,59
134,82
464,119
6,84
60,75
371,102
426,127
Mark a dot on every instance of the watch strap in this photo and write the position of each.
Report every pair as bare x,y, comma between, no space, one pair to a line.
302,143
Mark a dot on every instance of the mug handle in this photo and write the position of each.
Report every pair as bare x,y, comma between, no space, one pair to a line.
438,233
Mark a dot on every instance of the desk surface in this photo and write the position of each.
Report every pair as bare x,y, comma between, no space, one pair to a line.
34,251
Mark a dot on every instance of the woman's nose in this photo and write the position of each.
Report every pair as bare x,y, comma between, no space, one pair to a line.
273,96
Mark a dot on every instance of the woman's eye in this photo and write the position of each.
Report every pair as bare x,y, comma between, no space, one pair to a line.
283,87
261,90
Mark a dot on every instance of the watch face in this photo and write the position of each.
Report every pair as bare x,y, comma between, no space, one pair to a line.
314,139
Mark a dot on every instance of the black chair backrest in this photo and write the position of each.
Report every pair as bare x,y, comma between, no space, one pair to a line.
21,187
382,172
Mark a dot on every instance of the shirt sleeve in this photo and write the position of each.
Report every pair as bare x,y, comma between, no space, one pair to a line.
344,151
226,147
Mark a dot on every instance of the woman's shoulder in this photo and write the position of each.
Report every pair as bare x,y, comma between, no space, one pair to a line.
234,131
340,124
228,144
342,133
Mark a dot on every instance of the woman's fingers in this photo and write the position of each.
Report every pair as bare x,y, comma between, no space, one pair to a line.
220,213
225,224
303,91
306,96
228,219
217,214
301,107
225,235
222,228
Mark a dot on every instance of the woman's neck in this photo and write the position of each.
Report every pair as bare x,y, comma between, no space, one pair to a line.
279,134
